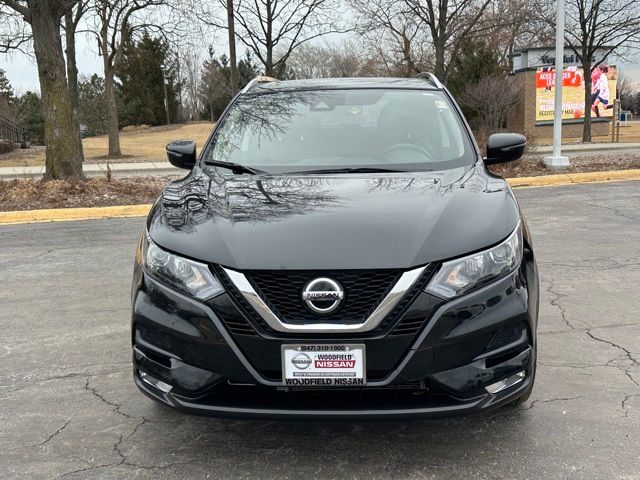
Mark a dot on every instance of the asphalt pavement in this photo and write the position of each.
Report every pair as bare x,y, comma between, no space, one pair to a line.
69,408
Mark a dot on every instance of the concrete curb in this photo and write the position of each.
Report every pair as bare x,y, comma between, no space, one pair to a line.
575,178
72,214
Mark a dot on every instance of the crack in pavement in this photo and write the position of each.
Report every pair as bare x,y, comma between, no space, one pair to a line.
116,406
555,302
615,211
623,404
627,353
51,437
124,460
550,400
63,377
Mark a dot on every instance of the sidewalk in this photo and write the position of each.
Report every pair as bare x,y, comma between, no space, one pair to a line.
589,147
98,169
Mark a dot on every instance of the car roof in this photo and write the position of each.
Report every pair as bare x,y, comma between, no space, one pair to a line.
269,86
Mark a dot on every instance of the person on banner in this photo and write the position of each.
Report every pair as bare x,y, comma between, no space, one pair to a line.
601,90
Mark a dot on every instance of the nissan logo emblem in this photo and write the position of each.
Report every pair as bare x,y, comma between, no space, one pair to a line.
323,295
301,361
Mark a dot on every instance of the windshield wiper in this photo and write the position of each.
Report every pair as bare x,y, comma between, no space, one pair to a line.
352,170
235,167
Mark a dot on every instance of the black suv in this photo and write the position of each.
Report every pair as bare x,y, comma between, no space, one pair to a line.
338,249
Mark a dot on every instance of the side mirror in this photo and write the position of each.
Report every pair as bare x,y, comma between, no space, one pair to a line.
505,147
182,154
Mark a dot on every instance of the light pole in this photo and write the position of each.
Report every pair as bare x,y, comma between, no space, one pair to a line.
166,95
556,160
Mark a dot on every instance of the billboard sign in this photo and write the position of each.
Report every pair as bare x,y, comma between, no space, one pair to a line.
603,92
529,58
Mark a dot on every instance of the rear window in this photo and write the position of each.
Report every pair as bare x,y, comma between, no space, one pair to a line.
310,130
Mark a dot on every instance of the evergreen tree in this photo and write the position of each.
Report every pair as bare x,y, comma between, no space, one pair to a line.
248,69
140,90
215,82
92,105
29,115
475,61
6,90
215,86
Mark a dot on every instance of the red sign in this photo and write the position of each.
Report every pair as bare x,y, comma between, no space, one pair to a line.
335,363
546,78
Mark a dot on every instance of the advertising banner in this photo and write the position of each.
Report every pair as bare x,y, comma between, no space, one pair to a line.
603,92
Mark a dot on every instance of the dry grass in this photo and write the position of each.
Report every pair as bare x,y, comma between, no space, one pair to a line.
139,145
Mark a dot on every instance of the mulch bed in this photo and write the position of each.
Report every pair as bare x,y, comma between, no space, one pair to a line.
29,194
533,166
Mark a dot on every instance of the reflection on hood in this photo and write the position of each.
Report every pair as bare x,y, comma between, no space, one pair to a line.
330,221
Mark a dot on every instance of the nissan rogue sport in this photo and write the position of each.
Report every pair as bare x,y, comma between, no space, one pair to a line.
338,250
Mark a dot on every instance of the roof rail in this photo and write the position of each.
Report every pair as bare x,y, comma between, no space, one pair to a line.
431,78
257,80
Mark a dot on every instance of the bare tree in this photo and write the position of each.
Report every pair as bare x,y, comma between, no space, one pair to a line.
191,62
273,29
70,25
71,21
325,61
599,26
15,33
513,23
485,113
116,21
394,33
626,89
64,148
448,23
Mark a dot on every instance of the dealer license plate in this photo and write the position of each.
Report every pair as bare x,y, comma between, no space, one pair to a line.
324,365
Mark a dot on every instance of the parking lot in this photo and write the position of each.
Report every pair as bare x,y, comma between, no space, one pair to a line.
69,408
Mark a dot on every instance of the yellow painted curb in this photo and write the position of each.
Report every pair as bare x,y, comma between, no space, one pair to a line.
570,178
70,214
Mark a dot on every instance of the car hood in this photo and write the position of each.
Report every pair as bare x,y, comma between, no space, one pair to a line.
326,222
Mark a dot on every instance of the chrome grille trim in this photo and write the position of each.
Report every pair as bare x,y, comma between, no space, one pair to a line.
399,290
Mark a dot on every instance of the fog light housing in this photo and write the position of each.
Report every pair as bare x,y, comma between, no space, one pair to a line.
505,383
154,382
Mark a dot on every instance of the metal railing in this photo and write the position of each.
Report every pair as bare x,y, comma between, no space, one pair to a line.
13,132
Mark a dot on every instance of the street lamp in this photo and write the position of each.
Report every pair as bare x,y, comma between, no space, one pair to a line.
556,160
166,95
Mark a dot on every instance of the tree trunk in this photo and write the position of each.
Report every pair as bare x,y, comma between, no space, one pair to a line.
112,112
439,67
586,128
64,149
233,64
70,52
268,64
72,68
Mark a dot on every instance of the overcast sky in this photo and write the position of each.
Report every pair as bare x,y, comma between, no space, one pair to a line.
22,73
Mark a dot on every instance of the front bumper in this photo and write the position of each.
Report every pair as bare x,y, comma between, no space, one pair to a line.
462,347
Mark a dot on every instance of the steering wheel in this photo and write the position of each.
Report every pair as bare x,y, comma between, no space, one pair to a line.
406,147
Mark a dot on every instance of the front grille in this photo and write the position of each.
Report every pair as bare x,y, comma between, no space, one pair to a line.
409,325
281,290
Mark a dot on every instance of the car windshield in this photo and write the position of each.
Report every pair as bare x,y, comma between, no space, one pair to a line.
358,129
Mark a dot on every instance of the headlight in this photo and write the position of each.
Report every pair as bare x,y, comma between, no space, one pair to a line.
459,276
181,273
